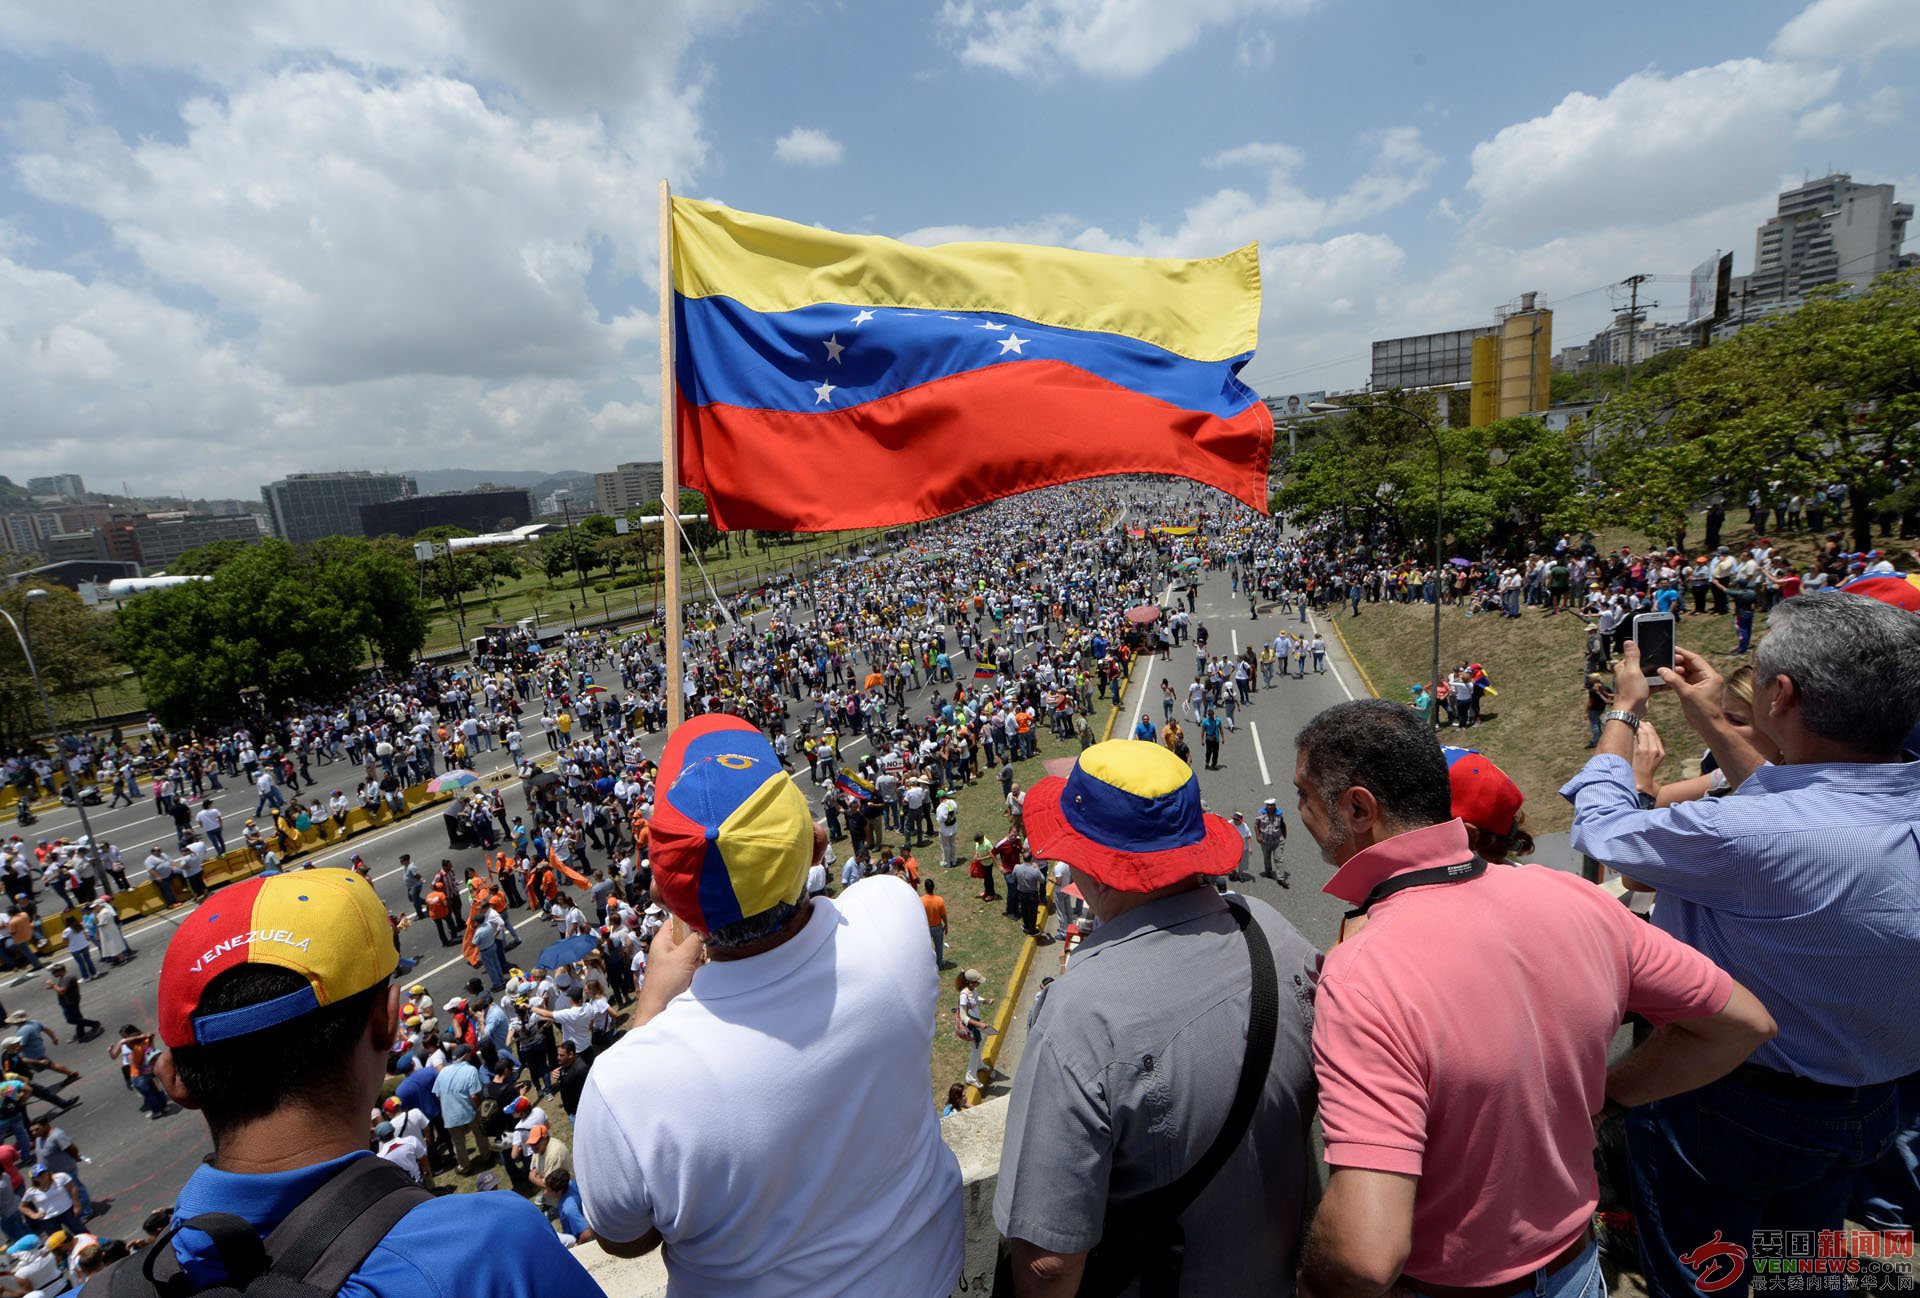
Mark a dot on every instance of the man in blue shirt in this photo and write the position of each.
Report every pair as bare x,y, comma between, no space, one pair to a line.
278,1008
458,1089
1795,884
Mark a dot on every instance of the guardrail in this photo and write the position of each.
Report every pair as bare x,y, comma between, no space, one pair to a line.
242,863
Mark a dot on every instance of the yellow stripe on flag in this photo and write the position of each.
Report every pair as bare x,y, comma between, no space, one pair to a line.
1204,310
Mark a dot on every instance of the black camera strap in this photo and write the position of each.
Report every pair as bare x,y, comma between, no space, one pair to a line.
1459,872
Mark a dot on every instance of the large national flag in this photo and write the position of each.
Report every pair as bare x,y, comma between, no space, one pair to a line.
833,381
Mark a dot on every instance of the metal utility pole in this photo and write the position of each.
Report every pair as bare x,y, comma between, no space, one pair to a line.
34,596
579,569
1633,283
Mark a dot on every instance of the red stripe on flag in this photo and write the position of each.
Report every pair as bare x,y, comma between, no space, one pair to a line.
957,442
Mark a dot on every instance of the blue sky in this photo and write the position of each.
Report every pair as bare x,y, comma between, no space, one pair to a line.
240,239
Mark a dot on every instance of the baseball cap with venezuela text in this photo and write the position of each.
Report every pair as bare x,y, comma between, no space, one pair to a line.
328,926
731,835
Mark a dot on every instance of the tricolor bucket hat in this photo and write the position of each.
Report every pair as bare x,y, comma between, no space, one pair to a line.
1129,816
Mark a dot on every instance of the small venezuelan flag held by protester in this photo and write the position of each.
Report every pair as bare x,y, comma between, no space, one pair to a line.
853,786
833,381
984,673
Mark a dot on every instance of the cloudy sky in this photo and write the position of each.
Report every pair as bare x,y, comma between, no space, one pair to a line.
246,237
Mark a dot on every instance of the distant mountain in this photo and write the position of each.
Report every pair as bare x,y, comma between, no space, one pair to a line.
433,480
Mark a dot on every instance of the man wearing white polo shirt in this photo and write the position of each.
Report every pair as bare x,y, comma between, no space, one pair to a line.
698,1132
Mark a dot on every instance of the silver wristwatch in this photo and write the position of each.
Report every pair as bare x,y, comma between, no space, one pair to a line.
1620,714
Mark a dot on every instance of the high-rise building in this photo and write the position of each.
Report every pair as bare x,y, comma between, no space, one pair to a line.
1828,231
308,506
67,486
488,509
634,485
160,539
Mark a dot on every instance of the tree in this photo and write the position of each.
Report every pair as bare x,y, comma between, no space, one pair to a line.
289,622
72,645
1829,394
203,560
701,534
1375,467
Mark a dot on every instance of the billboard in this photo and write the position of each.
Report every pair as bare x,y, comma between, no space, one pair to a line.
1707,287
1295,405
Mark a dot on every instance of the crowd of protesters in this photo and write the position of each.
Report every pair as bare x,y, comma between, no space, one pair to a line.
734,958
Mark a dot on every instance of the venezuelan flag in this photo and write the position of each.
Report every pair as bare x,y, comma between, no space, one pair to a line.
834,381
984,673
853,786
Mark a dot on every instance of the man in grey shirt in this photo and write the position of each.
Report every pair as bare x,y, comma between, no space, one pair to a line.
1133,1057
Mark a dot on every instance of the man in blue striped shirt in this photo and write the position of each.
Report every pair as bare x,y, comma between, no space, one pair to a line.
1802,885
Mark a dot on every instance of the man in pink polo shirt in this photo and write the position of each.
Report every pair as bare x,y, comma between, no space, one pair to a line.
1461,1031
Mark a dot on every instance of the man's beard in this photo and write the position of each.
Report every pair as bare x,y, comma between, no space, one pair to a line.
1336,838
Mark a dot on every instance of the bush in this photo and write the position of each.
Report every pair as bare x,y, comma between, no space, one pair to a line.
600,588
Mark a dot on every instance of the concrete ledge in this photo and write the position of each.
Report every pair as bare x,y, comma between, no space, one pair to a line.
974,1135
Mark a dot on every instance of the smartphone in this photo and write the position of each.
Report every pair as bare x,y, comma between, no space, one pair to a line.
1653,632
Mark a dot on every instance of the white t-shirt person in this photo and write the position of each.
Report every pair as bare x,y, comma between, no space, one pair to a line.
704,1125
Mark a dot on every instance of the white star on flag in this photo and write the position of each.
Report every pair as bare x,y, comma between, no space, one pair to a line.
834,348
1013,343
990,326
822,392
862,318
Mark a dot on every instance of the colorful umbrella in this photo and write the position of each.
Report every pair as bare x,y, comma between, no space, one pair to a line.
1143,615
452,782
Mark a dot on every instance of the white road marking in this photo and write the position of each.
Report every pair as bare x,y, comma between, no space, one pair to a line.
1345,688
1260,753
1236,641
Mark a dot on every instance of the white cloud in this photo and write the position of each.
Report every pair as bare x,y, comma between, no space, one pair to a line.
1837,117
1105,38
400,221
567,55
372,229
1848,31
1258,155
807,146
1228,218
1652,147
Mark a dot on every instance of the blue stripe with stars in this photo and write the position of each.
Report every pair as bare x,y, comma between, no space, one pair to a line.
828,356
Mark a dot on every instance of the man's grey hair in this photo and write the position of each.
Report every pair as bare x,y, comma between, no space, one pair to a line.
1855,662
1387,749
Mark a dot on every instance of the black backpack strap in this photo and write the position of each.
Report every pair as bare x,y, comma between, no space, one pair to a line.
310,1254
326,1238
1171,1201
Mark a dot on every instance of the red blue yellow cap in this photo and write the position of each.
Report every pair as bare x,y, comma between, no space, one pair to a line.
328,926
731,835
1129,815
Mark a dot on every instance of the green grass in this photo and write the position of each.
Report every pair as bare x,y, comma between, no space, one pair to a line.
1535,729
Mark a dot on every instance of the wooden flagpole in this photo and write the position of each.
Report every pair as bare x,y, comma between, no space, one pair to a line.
669,467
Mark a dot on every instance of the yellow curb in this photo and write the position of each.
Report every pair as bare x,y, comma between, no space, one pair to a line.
1353,658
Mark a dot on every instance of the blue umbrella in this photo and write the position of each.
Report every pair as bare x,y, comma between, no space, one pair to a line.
567,950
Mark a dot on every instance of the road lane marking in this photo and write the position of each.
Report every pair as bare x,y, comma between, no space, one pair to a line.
1260,753
1345,688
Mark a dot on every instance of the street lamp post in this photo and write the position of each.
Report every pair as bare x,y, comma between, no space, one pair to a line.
34,596
1439,529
